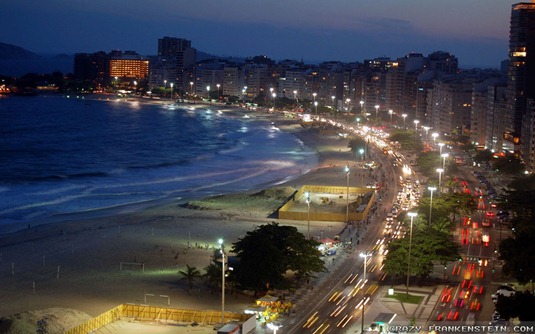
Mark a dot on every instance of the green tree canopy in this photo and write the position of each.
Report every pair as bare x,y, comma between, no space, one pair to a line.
518,251
267,253
521,305
429,246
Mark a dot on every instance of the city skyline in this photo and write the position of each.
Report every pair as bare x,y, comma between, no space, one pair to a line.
476,32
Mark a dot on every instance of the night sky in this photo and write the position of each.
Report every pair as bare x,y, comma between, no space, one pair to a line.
476,31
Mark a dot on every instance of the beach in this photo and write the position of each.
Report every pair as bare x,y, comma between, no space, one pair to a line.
94,264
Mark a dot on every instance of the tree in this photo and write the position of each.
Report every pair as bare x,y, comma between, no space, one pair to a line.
190,274
518,251
521,305
213,275
428,162
267,253
509,165
428,246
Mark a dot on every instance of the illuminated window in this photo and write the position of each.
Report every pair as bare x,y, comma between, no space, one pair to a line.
519,54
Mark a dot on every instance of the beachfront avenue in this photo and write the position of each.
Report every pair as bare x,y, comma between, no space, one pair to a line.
348,295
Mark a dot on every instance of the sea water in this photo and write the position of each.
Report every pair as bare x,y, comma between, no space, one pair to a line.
63,155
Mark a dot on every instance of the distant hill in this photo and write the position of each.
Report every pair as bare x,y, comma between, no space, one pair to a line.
17,61
9,51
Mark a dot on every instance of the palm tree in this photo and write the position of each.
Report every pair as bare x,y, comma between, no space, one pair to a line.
213,274
190,274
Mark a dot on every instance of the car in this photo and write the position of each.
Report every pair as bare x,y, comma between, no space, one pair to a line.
505,293
459,302
490,214
505,287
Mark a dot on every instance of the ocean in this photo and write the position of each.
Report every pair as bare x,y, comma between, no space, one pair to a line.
67,155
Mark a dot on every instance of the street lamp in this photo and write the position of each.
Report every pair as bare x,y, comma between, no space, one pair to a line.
222,250
347,200
332,98
440,148
391,112
191,85
404,117
426,128
164,87
376,111
218,93
361,107
444,156
316,106
274,95
434,135
431,189
439,171
412,215
208,91
314,96
307,195
172,84
365,256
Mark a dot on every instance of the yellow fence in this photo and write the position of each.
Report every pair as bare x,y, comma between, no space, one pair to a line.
154,313
291,211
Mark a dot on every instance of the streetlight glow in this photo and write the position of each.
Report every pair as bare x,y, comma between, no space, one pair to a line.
412,215
439,171
365,256
431,189
222,250
347,200
404,124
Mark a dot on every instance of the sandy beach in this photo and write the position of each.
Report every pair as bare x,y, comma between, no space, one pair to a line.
77,264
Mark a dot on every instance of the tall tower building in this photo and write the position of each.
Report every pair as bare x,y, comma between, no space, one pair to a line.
175,63
521,75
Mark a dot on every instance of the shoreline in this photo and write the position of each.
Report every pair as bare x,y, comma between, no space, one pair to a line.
75,263
132,207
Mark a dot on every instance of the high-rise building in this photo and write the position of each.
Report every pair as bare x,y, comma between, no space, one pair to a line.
128,65
521,75
175,64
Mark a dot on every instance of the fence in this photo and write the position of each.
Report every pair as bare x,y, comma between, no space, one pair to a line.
154,313
292,211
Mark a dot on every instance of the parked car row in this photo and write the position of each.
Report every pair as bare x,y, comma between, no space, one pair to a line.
491,192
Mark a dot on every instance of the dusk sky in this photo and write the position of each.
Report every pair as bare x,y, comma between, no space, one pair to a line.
476,31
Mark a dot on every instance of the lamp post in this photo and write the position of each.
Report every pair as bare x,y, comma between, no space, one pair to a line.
307,195
431,189
426,128
274,95
434,135
208,91
314,96
365,256
316,106
416,129
296,98
164,87
172,84
444,156
440,148
404,124
191,87
412,215
439,171
222,250
391,112
361,107
376,111
347,199
332,98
